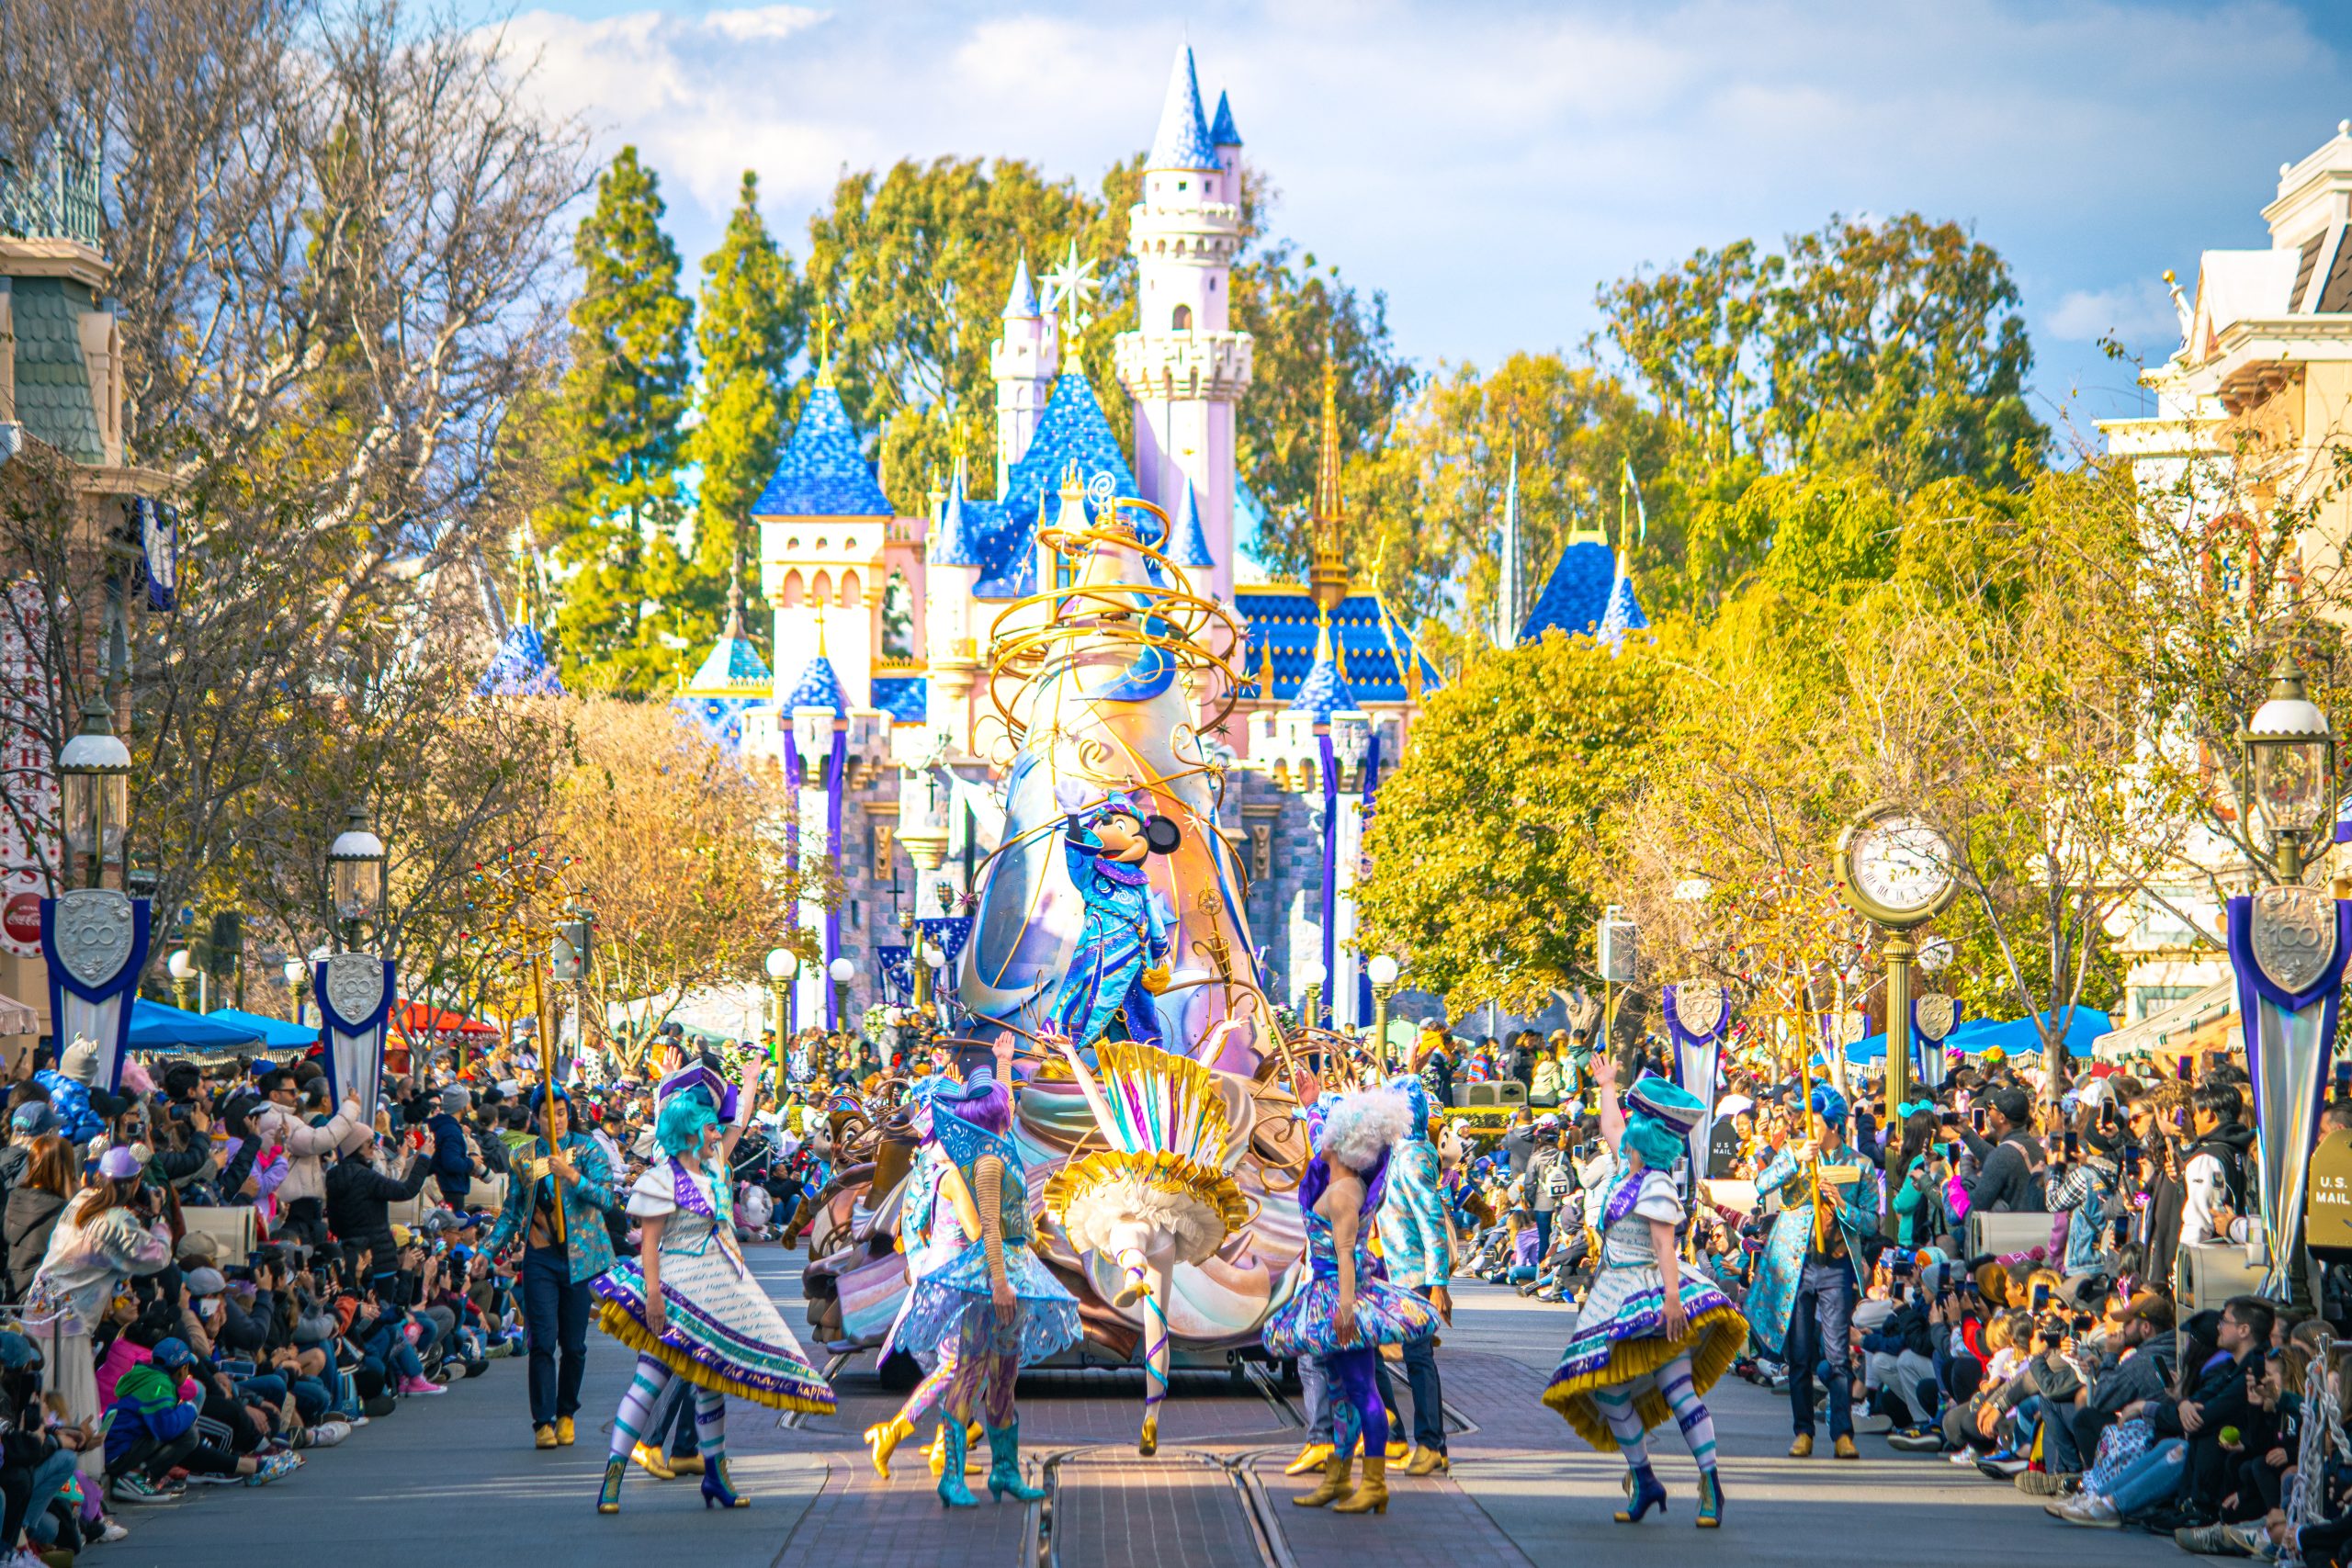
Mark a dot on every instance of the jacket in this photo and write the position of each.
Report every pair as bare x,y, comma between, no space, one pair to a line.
305,1147
585,1203
2219,1397
31,1214
1772,1301
2004,1183
358,1196
2145,1374
147,1403
453,1161
1414,1241
70,1097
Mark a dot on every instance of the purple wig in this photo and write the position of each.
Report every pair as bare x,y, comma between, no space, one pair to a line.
990,1109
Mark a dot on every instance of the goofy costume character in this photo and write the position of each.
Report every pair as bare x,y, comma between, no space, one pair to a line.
1121,960
1802,1302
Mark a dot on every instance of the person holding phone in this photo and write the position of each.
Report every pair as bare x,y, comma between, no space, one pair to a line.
2007,1157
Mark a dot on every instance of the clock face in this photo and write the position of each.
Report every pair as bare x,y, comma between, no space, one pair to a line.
1900,864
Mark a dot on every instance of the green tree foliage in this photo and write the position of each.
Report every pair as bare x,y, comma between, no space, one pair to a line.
624,398
1426,508
1491,847
1897,347
915,264
752,324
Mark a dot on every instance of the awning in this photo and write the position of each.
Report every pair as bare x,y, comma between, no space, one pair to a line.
155,1027
413,1018
16,1018
275,1033
2018,1037
2192,1024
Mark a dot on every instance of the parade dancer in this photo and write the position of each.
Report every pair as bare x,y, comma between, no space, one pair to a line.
1802,1301
1418,1249
1345,1311
1650,1340
996,1304
1121,953
691,1309
562,1252
931,1236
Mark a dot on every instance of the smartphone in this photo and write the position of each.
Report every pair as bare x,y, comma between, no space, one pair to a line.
2181,1068
2074,1144
2041,1299
2107,1115
2344,1079
1976,1119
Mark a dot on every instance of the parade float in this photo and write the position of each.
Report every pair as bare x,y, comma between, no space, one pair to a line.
1158,1112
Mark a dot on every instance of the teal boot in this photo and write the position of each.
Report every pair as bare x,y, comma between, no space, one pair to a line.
1004,1464
952,1493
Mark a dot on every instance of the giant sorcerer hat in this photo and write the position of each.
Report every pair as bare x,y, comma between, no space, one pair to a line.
1662,1100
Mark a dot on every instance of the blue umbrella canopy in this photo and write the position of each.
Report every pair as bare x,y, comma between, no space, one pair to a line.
155,1027
275,1032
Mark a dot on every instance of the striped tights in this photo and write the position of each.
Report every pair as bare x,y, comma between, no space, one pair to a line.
636,1413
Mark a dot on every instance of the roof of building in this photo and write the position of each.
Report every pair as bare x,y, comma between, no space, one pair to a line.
733,666
520,667
1325,691
818,687
1188,542
906,698
1280,620
1183,141
53,379
720,720
1072,429
1221,131
956,541
1021,303
1624,613
1576,596
823,473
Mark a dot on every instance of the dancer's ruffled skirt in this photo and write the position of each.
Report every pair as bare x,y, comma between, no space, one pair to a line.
1620,1343
1385,1314
720,1331
935,1314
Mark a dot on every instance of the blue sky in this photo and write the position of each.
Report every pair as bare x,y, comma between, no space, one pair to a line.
1488,163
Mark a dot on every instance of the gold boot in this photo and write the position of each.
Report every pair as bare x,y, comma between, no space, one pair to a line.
1311,1458
883,1438
653,1461
1371,1496
937,1453
687,1464
1335,1482
1427,1462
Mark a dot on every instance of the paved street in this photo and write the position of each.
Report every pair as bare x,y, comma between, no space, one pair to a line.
459,1472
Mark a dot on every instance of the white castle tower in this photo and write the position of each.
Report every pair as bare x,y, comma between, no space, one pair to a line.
1023,363
1183,365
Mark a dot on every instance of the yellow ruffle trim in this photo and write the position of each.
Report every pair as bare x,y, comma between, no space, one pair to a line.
615,1320
1712,1342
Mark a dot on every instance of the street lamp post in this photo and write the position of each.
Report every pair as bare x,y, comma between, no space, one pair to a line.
934,961
1312,974
355,875
297,974
841,972
2291,751
181,966
1381,970
782,963
95,768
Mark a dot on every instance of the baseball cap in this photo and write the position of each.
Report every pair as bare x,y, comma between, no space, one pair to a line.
173,1351
34,1118
205,1283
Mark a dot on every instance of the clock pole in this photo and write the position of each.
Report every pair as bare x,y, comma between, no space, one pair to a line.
1901,952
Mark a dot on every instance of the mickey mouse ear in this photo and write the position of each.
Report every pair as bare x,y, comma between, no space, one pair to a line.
1162,836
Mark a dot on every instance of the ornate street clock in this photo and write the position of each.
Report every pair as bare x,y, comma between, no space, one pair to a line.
1896,868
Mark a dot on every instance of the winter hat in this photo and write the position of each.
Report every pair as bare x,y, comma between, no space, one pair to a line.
79,1061
455,1099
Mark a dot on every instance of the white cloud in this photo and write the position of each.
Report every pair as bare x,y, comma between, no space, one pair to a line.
1489,161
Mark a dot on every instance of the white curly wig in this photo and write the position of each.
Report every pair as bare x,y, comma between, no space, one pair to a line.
1360,1125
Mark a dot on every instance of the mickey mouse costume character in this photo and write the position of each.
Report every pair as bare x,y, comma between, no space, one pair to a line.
1121,959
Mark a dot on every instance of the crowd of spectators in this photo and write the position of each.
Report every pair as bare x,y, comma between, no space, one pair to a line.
215,1270
2069,1368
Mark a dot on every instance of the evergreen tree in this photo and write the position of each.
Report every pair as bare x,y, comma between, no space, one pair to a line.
622,403
752,323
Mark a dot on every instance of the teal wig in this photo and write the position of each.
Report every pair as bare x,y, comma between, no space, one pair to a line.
680,1129
1658,1144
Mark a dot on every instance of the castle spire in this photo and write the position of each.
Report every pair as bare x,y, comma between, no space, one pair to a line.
825,345
1020,305
1508,588
1182,140
1328,578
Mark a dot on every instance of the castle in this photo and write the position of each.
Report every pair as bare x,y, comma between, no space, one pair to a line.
877,705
